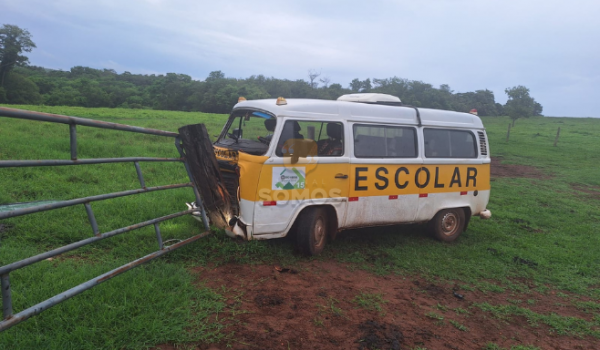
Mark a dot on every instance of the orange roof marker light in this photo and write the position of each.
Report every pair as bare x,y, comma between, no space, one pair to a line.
241,99
281,101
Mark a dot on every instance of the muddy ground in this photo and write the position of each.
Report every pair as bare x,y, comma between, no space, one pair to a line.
498,169
315,306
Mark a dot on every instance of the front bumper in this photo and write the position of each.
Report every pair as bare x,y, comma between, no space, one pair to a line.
238,230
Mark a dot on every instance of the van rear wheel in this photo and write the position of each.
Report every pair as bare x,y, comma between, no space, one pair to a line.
448,224
312,231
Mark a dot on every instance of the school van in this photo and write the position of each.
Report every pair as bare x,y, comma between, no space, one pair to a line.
315,167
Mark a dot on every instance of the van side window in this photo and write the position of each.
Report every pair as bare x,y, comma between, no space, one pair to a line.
443,143
382,141
313,138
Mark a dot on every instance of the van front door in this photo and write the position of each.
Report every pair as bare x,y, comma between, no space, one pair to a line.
310,167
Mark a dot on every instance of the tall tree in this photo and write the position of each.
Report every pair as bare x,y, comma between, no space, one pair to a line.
312,76
20,90
215,75
537,109
13,42
366,85
325,81
519,104
355,85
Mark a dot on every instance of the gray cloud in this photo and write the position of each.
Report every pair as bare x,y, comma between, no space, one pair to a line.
549,46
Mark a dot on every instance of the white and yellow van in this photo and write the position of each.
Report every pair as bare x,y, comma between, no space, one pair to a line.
315,167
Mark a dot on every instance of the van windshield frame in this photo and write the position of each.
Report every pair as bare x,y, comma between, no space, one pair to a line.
247,130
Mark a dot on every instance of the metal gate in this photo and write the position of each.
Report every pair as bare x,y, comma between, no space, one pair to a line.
11,319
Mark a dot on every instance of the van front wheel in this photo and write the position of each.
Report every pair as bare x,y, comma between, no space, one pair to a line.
448,224
312,231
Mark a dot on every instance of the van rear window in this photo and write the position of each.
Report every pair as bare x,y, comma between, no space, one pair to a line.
443,143
382,141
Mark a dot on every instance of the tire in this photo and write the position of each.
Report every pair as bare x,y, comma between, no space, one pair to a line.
448,224
312,231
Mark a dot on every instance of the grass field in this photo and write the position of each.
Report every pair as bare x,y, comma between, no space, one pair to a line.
551,222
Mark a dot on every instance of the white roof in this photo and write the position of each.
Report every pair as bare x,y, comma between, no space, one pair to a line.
363,112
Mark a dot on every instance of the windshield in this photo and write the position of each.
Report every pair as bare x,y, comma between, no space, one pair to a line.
248,131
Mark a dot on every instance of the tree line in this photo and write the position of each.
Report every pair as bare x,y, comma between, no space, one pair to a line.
21,83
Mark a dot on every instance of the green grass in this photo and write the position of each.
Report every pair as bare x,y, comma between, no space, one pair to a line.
152,304
561,325
459,326
434,316
370,301
492,346
588,306
330,307
461,311
547,221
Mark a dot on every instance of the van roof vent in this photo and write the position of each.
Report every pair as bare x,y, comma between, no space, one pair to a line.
482,144
373,98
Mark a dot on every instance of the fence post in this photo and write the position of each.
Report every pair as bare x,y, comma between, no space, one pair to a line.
557,135
73,139
7,311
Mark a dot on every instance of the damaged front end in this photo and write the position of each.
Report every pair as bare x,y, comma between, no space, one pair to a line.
199,153
247,133
237,229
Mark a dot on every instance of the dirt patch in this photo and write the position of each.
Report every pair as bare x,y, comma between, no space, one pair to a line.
382,336
498,169
268,300
326,305
592,191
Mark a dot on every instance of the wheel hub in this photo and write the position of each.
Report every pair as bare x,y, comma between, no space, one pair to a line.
319,232
449,224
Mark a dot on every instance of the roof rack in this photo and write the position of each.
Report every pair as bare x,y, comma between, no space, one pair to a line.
372,98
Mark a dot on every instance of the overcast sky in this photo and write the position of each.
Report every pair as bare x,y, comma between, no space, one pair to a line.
550,46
